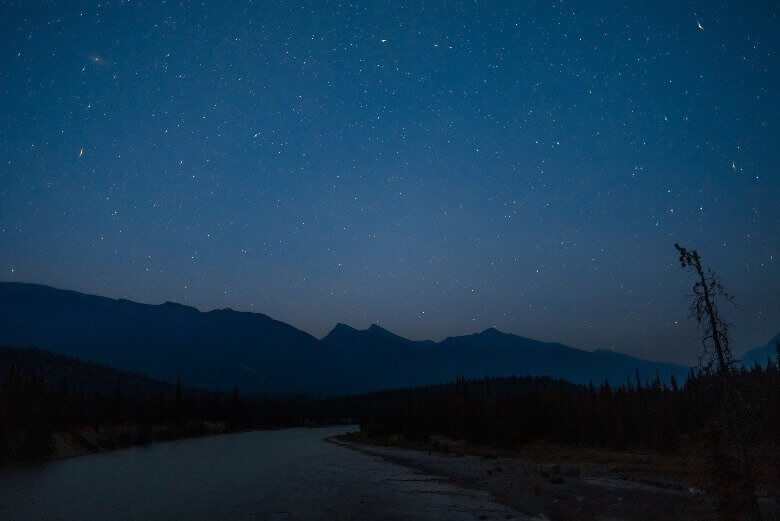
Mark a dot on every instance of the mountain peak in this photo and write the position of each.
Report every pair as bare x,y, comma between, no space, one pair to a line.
339,331
177,306
491,331
378,331
342,327
376,328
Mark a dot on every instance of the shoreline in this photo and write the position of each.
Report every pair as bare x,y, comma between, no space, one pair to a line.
562,484
85,440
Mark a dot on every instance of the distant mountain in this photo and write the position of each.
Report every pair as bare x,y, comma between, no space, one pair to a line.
221,349
378,359
376,356
760,355
492,352
53,370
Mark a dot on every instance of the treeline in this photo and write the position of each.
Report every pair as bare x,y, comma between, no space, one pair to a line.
508,412
43,393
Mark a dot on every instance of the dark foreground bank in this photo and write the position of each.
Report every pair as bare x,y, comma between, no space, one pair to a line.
731,445
564,483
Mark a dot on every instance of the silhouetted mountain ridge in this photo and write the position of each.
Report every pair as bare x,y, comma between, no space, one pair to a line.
223,348
760,355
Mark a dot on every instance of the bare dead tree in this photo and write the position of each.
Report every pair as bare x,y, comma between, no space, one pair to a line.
716,340
716,344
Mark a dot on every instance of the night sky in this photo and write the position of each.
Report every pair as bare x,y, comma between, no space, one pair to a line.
437,169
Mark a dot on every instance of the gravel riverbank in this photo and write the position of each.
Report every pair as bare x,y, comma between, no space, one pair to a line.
557,488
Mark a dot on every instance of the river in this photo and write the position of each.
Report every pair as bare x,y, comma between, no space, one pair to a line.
259,475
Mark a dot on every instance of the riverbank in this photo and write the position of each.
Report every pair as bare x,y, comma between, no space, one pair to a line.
24,447
83,439
554,482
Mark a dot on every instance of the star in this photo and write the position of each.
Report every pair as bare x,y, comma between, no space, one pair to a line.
98,60
503,144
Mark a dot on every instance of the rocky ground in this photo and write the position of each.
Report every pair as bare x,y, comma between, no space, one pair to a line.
560,484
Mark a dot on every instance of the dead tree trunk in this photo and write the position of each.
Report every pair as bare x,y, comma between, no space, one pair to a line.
715,337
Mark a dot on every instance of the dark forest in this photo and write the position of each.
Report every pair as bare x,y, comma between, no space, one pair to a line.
43,393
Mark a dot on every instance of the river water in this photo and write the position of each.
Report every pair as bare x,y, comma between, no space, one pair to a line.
259,475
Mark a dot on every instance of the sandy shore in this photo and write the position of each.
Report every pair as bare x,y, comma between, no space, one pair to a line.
557,489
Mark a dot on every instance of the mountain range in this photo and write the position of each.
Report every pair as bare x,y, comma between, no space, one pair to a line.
761,355
222,349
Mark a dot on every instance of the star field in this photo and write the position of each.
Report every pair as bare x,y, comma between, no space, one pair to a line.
438,169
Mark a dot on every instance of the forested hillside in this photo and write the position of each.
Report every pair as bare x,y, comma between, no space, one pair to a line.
43,393
98,407
640,414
